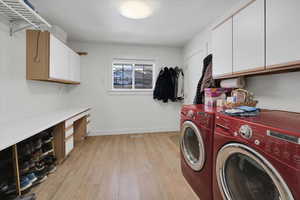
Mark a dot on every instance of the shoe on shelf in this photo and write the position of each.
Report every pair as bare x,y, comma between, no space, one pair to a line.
25,167
10,189
47,148
41,178
50,159
32,177
3,187
36,156
26,197
47,136
25,150
37,143
51,169
39,166
31,164
25,183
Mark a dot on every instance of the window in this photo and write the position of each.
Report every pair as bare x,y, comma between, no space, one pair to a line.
136,75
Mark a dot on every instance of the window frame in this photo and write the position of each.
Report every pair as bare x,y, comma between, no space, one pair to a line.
133,63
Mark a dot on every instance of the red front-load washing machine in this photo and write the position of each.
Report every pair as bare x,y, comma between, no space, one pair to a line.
196,144
257,158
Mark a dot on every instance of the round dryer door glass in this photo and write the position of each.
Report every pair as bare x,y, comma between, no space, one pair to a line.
257,184
245,174
192,146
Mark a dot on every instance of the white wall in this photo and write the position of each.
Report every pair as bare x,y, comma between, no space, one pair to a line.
21,98
194,53
272,91
117,113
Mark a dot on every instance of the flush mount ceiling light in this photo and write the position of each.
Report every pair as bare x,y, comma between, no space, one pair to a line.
135,9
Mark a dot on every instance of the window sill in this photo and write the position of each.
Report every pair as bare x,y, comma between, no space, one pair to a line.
130,92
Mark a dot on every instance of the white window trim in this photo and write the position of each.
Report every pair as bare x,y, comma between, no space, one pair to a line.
133,62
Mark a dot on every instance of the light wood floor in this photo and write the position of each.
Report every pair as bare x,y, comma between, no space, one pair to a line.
126,167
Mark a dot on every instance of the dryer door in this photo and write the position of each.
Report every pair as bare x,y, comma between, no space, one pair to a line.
243,173
192,146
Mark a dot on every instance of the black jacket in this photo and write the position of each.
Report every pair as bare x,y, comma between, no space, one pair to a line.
165,85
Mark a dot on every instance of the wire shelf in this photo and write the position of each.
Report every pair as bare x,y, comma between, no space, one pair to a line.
19,13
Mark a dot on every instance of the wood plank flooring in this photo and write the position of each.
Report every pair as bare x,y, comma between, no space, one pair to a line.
123,167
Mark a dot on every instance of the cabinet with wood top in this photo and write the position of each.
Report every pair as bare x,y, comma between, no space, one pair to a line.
49,59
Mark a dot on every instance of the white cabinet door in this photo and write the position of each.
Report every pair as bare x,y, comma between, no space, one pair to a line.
71,65
283,31
249,38
77,67
58,66
222,49
74,66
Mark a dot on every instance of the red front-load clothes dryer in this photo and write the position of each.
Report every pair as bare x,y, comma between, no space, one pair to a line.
196,144
257,158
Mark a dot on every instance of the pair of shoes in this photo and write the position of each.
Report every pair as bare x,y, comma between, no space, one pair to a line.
24,167
51,169
39,166
32,177
26,197
37,143
50,159
25,183
50,162
25,150
41,178
47,148
3,187
47,136
7,188
36,156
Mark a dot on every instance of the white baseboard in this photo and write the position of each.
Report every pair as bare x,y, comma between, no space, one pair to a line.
131,131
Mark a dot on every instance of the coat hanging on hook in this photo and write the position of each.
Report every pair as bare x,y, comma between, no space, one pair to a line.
169,85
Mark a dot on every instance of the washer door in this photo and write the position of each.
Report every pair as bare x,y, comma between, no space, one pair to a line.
192,146
243,173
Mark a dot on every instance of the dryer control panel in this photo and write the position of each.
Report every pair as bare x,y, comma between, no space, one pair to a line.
279,144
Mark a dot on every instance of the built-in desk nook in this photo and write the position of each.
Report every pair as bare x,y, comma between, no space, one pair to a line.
34,146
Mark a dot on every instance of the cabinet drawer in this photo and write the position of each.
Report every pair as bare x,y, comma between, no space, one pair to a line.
69,145
69,131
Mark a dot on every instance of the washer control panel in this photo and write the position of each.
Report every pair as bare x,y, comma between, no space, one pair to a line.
245,131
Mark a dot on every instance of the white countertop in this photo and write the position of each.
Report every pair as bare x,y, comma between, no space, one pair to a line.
14,132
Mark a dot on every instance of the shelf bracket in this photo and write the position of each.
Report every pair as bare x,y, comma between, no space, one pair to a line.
14,28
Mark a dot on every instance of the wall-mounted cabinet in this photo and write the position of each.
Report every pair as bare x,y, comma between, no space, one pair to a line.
265,39
222,49
49,59
282,33
249,38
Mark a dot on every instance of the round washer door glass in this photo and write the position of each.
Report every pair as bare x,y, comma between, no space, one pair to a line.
192,146
245,174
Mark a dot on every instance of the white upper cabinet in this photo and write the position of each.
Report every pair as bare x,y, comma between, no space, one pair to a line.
249,38
222,49
283,31
74,66
64,62
59,63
